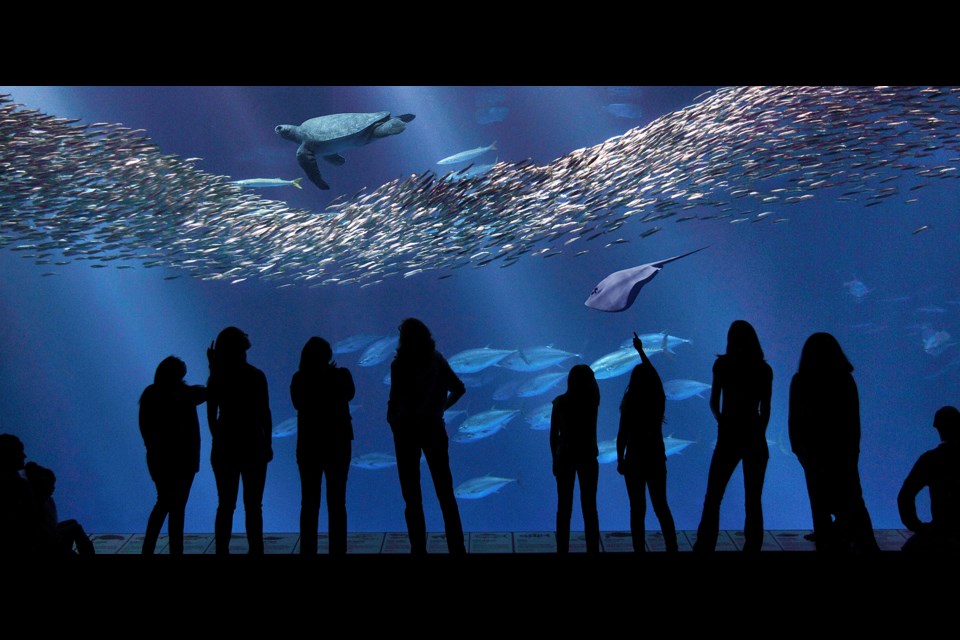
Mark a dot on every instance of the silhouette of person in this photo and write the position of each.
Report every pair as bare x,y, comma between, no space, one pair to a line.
423,387
824,429
641,455
573,442
321,393
171,435
55,537
238,412
939,470
740,402
18,517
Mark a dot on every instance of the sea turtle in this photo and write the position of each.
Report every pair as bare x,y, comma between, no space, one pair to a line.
327,136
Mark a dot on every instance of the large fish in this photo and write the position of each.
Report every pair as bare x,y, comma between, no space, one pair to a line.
481,487
486,423
660,341
379,351
285,429
535,359
375,460
540,384
617,291
474,360
674,446
465,156
354,343
683,389
539,418
619,362
261,183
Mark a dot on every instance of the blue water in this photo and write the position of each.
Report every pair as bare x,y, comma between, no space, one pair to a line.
77,349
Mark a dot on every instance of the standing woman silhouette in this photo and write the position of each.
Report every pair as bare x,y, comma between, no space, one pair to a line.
238,412
321,393
171,434
740,402
641,455
824,427
423,386
573,442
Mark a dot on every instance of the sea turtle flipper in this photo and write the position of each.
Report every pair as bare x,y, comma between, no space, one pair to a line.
308,162
407,117
335,159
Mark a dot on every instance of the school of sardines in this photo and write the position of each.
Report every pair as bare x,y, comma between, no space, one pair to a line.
106,194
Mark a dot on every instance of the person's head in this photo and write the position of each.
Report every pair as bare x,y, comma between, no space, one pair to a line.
582,383
643,383
12,456
316,354
232,345
742,341
171,370
947,422
821,354
415,338
42,480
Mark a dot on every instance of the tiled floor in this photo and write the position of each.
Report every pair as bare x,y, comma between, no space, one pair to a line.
525,542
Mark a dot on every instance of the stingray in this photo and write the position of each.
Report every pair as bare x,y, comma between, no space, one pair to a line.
618,290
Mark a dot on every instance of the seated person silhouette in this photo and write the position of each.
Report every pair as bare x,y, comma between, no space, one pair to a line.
939,470
55,537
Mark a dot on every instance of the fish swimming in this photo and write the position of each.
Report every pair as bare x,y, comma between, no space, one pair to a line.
375,460
540,384
617,291
535,359
673,446
268,182
481,487
607,451
486,423
379,351
683,389
624,110
465,156
935,342
354,343
857,289
656,341
539,418
620,361
474,360
284,429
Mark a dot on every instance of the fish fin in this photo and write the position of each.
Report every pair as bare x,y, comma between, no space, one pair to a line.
407,117
308,162
493,146
296,182
335,159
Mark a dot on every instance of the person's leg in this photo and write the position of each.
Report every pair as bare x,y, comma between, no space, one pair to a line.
589,474
754,471
254,481
638,508
227,476
337,468
724,461
436,451
178,510
566,477
657,484
159,513
311,479
408,469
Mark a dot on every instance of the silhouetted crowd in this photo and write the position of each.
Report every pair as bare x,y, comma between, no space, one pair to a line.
823,422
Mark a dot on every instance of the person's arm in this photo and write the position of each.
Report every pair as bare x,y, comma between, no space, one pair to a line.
638,345
795,428
455,386
765,393
349,389
213,407
266,416
715,391
622,439
907,498
554,435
